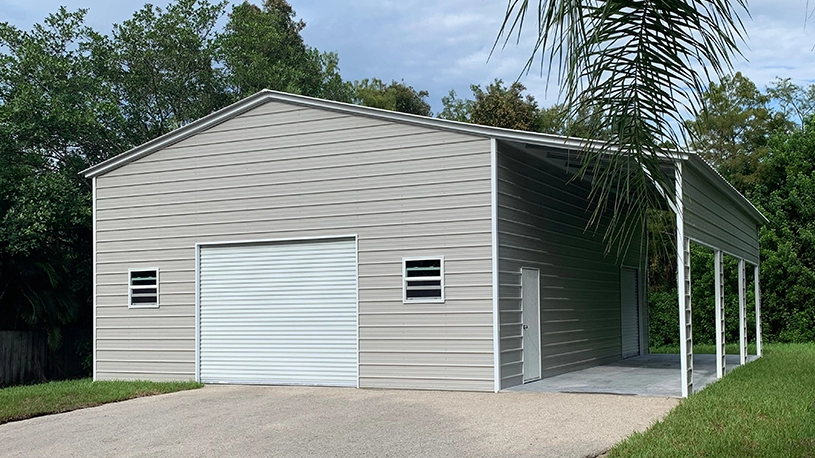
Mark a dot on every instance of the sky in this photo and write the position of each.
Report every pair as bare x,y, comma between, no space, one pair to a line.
439,45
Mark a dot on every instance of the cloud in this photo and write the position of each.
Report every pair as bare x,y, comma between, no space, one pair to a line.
442,45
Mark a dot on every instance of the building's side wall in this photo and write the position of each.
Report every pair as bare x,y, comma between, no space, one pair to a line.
542,223
712,219
284,171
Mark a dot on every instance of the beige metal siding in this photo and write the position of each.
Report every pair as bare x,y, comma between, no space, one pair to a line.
542,220
712,219
284,171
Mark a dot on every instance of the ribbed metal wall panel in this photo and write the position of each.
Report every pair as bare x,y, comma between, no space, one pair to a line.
279,313
282,171
713,219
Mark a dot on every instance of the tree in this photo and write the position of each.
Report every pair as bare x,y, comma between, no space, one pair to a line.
796,102
454,108
261,48
501,106
786,196
509,107
733,129
396,96
166,67
58,114
497,106
56,101
637,64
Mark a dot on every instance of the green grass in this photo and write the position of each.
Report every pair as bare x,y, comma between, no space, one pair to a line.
705,349
21,402
763,409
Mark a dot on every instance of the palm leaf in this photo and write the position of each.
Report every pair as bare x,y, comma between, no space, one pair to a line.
642,66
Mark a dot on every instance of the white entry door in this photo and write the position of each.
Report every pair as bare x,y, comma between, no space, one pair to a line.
629,293
530,303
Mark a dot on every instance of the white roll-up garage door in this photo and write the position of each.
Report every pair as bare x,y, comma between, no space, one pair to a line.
282,313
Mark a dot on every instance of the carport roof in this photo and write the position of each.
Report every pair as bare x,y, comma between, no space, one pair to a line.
264,96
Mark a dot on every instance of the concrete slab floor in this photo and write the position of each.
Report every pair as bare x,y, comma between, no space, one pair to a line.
647,375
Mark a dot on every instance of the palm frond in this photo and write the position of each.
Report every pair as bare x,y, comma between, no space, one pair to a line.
642,66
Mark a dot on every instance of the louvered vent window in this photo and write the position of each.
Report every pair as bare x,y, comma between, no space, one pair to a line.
143,288
423,279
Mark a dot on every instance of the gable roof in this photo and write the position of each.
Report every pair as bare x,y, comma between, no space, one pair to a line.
266,95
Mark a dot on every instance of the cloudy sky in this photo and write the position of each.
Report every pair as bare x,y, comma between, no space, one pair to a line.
440,45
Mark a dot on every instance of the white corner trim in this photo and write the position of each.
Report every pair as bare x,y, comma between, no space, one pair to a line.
197,312
356,279
93,280
496,323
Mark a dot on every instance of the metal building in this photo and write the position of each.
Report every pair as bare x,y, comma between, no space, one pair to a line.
291,240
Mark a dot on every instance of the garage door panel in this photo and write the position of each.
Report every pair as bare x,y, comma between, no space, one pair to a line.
279,313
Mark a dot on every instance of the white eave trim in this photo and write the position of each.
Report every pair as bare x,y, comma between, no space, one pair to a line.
177,135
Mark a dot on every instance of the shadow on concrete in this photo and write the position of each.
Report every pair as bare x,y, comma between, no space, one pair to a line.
647,375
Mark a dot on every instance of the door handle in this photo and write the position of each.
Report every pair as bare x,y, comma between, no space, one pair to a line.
526,327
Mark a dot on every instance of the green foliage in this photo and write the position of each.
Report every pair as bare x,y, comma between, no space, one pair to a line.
396,96
770,159
763,409
500,106
261,48
71,97
795,102
787,198
507,107
58,115
733,129
454,108
54,95
164,67
663,318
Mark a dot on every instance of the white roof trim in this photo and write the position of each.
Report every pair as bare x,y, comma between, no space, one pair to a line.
266,95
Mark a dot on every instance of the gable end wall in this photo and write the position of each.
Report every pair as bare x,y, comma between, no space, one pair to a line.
284,171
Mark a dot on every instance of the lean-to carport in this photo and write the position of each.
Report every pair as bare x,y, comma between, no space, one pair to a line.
709,211
539,229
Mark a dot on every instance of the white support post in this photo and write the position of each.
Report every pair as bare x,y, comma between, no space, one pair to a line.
757,286
721,356
683,290
742,314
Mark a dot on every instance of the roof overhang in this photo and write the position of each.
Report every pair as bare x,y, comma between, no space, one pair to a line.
707,170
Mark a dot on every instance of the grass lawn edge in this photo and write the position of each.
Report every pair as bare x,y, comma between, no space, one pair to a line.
25,402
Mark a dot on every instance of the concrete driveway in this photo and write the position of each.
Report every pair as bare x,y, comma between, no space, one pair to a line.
337,422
